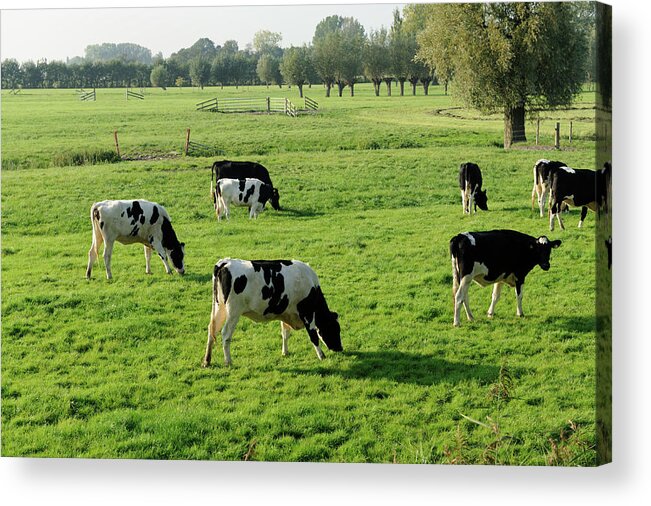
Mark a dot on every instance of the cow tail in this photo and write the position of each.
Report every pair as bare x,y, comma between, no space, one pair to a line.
535,184
456,275
97,232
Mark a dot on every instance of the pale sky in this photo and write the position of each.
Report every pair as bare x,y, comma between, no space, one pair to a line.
57,33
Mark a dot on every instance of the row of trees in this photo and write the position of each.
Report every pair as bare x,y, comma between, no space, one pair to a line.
340,54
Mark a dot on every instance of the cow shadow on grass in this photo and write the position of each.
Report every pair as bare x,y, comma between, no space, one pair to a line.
299,213
404,367
574,323
198,278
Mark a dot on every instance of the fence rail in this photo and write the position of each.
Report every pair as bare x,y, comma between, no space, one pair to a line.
265,104
311,104
133,94
87,95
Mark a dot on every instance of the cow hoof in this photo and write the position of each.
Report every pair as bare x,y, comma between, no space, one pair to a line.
455,324
205,364
490,315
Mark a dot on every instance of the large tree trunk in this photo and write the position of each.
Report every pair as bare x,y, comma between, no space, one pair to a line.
341,85
402,87
514,130
300,90
388,81
327,89
376,86
426,81
414,83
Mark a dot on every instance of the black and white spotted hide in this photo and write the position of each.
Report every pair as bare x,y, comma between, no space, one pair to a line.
251,193
134,221
575,187
266,290
542,179
470,181
495,257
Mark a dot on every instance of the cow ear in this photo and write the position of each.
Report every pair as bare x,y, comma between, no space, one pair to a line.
182,245
556,243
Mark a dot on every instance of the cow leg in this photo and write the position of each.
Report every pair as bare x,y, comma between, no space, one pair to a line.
584,213
461,297
314,337
542,199
285,330
108,251
92,252
227,334
497,290
147,260
217,318
162,254
518,298
463,201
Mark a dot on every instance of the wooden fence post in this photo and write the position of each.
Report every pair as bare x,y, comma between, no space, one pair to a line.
117,145
268,104
187,141
570,132
557,136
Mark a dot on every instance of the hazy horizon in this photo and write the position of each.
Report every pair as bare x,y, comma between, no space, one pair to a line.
61,33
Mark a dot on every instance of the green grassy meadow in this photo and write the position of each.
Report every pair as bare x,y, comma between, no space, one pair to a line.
101,369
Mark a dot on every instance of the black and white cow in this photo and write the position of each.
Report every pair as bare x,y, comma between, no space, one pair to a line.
495,257
252,193
575,187
470,182
134,221
542,180
265,290
242,170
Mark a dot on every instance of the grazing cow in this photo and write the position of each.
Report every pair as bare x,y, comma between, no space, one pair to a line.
470,183
495,257
252,193
576,187
542,178
134,221
242,170
265,290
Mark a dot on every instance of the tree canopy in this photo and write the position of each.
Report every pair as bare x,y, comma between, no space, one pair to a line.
507,56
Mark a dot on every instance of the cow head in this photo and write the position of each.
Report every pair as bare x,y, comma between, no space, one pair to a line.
176,255
543,248
329,330
275,199
481,200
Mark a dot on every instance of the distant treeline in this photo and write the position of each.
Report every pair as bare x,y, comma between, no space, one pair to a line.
341,54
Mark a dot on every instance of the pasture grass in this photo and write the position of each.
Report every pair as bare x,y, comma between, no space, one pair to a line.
103,369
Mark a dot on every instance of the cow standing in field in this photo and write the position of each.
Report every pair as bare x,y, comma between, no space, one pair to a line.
265,290
576,187
134,221
543,171
495,257
252,193
470,182
242,170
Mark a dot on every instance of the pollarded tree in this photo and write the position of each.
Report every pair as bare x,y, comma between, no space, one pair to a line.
350,63
268,70
402,50
326,48
296,66
159,77
376,57
508,56
199,72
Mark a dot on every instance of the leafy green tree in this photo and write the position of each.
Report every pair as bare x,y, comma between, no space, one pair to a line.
11,74
508,56
296,67
326,44
402,49
350,63
199,72
376,57
268,70
266,42
159,77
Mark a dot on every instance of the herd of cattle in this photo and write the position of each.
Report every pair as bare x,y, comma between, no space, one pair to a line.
289,290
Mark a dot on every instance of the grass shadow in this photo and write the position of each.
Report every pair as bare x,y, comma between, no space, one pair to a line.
198,278
577,323
403,367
